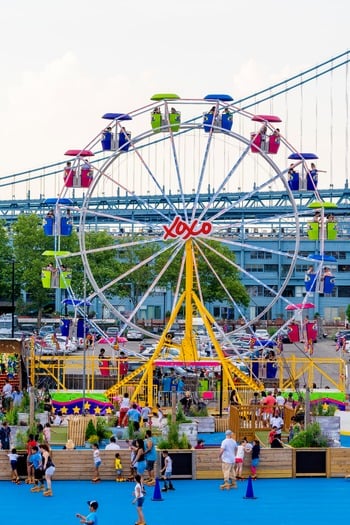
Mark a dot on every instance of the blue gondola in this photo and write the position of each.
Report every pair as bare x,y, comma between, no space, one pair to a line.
58,225
120,138
221,120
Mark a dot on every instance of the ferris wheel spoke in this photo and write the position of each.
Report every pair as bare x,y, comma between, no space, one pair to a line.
222,185
152,285
154,179
136,267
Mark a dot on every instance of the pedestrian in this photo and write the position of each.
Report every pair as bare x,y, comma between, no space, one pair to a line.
123,409
151,456
30,471
47,433
186,402
277,422
48,468
160,415
97,463
5,433
227,455
118,467
13,457
17,396
139,500
91,518
134,416
167,470
7,395
139,461
35,460
255,457
239,458
146,413
112,445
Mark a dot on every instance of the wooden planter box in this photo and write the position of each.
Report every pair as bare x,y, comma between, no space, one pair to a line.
183,463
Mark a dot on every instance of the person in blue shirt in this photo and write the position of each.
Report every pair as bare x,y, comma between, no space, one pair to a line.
36,460
91,518
150,456
166,387
134,416
180,387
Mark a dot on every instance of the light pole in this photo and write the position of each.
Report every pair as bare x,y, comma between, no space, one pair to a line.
13,298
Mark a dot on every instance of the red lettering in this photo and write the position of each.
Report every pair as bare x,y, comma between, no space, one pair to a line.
180,228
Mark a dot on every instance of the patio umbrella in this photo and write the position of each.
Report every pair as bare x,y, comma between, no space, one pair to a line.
300,306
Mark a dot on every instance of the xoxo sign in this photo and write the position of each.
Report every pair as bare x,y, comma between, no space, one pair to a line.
180,228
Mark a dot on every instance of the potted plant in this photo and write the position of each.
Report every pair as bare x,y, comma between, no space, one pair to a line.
206,423
102,430
324,415
12,416
89,432
311,451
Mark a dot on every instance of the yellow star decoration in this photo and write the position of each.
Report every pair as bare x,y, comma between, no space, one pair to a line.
108,410
97,410
64,410
87,406
76,410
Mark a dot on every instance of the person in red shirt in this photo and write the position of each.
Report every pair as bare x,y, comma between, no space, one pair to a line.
269,403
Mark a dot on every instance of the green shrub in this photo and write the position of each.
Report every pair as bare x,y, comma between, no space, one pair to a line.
311,437
173,440
12,416
90,430
102,429
93,439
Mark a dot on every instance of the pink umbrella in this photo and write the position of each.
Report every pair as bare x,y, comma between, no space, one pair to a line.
112,340
300,306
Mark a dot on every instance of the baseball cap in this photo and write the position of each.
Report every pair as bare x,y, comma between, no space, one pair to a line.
228,432
93,504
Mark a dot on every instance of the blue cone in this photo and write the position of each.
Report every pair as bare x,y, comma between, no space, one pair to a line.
250,492
157,495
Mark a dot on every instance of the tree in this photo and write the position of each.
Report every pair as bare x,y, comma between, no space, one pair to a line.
6,258
140,279
348,313
103,264
206,259
29,243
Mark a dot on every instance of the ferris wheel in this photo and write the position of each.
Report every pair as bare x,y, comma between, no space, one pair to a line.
184,151
165,157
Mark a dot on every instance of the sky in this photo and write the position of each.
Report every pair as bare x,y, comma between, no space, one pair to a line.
66,63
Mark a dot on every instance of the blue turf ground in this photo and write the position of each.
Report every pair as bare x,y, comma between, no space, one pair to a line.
283,501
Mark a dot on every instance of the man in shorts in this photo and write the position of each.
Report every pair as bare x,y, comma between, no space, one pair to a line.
227,455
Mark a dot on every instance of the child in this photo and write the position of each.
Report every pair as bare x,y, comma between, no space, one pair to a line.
97,462
239,458
91,518
118,467
167,469
255,457
35,459
132,448
146,412
13,457
30,471
139,499
47,433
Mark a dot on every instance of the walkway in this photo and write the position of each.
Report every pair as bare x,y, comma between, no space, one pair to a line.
198,502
